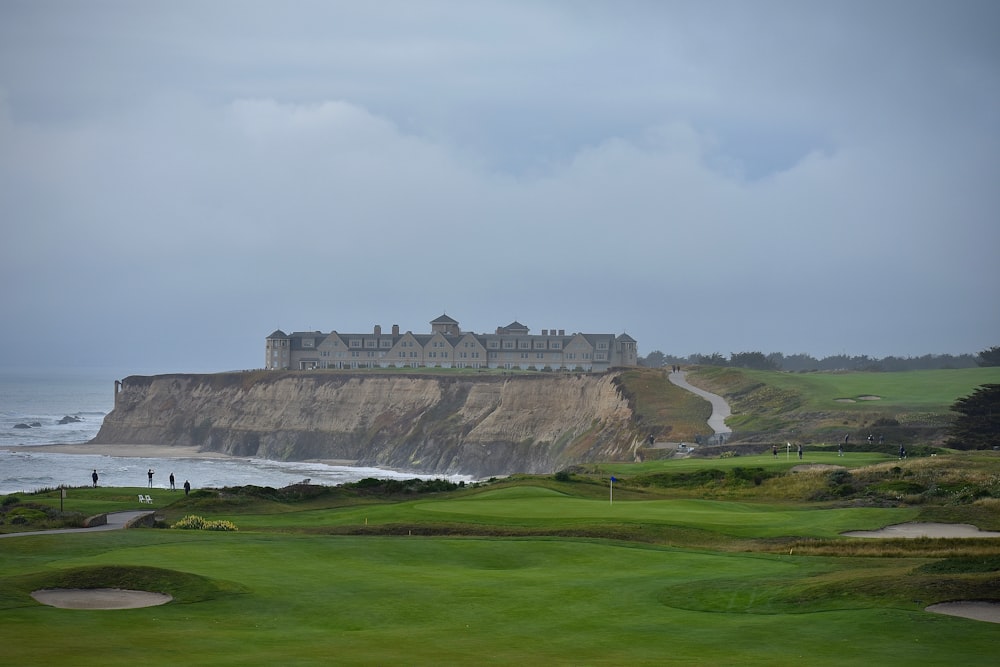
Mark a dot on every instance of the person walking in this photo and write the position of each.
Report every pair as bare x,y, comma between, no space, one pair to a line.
93,476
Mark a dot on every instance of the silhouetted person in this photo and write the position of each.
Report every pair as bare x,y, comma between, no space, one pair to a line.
172,487
93,476
187,487
150,475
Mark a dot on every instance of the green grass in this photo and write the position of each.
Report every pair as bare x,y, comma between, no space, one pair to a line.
907,406
933,391
523,571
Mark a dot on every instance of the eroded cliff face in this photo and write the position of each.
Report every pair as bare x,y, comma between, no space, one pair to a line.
482,426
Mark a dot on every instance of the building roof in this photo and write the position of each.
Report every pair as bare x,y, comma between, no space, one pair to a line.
444,319
278,333
625,338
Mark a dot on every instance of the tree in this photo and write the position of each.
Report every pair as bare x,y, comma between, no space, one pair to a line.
978,423
990,357
654,359
753,360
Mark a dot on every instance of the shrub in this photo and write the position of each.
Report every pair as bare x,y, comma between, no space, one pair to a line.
194,522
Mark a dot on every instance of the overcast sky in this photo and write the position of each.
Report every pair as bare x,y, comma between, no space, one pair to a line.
179,179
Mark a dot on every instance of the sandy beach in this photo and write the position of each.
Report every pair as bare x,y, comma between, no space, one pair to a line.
142,451
147,451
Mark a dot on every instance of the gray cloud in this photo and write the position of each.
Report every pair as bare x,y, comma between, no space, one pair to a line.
182,178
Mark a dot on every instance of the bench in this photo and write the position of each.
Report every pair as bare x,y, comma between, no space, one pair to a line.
145,499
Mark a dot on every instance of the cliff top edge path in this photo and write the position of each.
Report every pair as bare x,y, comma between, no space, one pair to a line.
720,408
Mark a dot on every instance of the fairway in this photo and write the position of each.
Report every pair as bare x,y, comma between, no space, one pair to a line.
732,519
349,600
549,570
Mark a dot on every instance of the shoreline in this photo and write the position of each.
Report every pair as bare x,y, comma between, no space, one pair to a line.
152,452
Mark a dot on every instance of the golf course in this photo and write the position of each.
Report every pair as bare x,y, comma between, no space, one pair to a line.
698,560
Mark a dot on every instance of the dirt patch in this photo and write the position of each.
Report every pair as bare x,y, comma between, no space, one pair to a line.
979,611
99,598
911,530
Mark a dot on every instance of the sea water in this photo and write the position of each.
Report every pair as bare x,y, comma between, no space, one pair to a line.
39,400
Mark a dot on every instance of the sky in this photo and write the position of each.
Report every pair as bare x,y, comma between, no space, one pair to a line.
179,179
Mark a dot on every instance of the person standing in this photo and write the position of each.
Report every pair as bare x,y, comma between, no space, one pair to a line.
150,475
172,487
93,476
800,450
187,487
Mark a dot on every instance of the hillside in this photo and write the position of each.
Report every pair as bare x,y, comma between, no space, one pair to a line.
906,407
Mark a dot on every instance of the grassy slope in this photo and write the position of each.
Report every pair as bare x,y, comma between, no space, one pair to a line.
816,404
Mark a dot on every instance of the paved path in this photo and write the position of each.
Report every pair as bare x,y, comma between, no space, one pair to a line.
116,521
720,409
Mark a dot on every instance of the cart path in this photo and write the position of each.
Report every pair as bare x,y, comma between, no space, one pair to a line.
720,408
116,521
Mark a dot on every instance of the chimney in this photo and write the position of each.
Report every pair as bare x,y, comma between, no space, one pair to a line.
562,332
395,329
545,332
378,330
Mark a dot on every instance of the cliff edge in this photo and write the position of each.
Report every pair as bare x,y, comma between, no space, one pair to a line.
475,425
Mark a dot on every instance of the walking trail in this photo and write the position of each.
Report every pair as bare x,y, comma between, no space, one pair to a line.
116,521
720,408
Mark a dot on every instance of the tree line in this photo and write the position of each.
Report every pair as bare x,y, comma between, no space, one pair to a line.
801,363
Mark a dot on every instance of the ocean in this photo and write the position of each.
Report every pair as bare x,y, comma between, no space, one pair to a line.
38,400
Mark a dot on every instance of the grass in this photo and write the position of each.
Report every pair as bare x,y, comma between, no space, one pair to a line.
525,570
906,406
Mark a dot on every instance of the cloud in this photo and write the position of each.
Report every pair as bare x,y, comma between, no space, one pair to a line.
781,178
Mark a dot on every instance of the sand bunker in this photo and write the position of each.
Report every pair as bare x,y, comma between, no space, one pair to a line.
99,598
978,611
911,530
869,398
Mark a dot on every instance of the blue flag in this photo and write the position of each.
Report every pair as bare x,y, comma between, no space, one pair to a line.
613,479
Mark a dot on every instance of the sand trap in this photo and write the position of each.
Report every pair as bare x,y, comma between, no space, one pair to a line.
924,530
869,398
99,598
845,400
978,611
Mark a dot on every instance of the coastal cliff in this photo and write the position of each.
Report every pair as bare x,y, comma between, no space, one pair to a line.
475,425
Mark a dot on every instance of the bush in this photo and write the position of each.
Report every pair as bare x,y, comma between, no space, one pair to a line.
194,522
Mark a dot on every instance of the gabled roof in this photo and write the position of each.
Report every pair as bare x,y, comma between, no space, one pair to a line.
278,333
444,319
515,325
625,338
